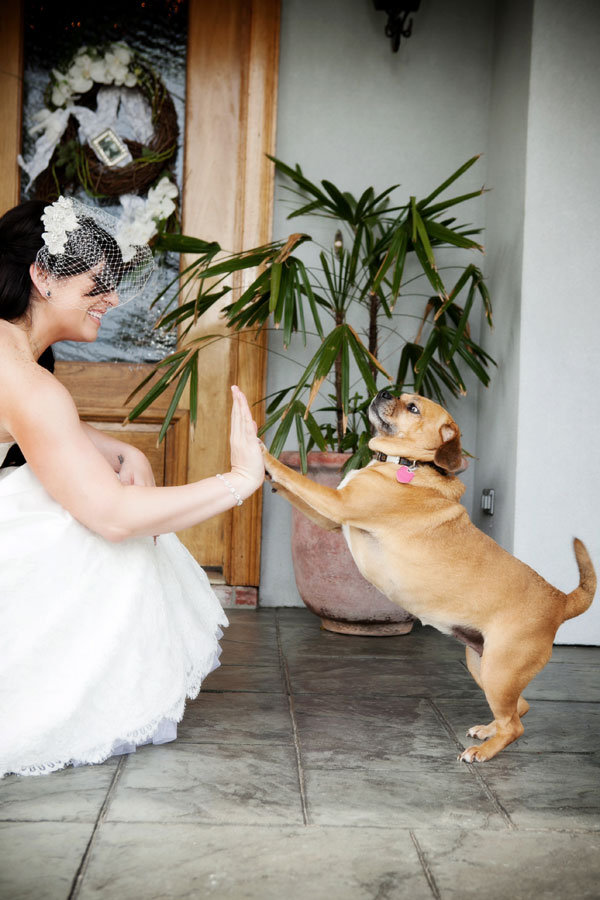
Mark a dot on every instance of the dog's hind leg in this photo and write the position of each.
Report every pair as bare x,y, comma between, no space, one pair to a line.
483,732
506,668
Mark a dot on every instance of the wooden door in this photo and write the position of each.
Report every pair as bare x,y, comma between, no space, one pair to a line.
228,192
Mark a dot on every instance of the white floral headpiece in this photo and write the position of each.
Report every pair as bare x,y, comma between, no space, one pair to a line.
82,239
59,220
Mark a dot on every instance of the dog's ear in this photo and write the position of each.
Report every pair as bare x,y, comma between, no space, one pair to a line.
449,454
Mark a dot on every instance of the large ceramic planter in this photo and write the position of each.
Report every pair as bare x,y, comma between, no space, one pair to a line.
326,575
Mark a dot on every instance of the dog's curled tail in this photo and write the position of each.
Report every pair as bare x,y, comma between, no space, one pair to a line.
579,599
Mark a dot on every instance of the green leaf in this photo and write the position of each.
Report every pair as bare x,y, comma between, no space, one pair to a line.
364,203
378,205
280,437
305,210
413,211
237,263
275,282
446,377
183,378
473,364
423,361
464,321
355,253
157,389
328,351
256,289
396,252
432,276
445,204
194,391
297,176
194,308
278,398
288,300
328,276
363,358
345,376
191,268
485,297
314,430
399,266
409,356
181,243
301,442
311,299
448,236
342,207
422,232
423,203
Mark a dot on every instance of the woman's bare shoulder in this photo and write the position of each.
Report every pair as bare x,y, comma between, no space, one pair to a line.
23,383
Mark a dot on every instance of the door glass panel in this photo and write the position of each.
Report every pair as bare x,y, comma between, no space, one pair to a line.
158,31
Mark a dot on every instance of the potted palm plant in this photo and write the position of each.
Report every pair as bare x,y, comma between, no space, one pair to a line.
358,302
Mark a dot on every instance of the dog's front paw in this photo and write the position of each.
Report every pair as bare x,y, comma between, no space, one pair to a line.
482,732
473,754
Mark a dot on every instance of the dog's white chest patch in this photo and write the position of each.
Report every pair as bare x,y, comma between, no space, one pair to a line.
343,483
348,478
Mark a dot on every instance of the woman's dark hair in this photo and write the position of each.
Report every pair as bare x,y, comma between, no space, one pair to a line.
20,239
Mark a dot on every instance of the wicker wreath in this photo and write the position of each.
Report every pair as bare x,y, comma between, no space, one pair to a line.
74,164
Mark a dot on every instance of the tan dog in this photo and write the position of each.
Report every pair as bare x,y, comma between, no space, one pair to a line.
411,538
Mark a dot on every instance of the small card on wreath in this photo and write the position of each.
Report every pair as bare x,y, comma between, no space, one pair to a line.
109,148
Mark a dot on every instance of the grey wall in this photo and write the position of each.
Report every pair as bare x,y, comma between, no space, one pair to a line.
499,403
539,425
558,488
352,111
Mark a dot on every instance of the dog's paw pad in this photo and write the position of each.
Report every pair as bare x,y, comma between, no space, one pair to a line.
481,732
472,755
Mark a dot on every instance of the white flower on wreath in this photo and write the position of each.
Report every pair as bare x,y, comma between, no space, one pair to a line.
141,218
90,67
160,203
59,220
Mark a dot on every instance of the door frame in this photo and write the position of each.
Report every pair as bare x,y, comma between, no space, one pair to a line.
231,109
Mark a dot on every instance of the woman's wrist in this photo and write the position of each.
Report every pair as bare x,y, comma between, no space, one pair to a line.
243,484
231,488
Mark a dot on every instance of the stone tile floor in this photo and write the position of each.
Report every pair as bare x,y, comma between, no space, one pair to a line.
315,765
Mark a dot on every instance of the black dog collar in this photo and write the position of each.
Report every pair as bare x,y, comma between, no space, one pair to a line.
409,463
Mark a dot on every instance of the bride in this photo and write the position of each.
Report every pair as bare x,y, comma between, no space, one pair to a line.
104,631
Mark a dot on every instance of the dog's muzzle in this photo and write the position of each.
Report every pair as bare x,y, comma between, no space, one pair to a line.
377,410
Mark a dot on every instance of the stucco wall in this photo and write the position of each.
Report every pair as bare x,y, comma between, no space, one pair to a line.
558,488
499,403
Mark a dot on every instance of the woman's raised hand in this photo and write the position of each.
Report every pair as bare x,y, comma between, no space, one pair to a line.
246,454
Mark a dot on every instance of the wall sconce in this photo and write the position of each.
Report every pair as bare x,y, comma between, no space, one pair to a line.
398,12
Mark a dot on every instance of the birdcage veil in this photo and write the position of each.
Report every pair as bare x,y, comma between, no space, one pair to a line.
80,239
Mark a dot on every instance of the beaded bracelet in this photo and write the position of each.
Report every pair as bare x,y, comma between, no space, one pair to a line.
232,489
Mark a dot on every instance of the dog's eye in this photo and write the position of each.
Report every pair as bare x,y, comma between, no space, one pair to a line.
413,408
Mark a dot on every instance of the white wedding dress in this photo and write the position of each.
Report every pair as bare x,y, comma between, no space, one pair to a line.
100,643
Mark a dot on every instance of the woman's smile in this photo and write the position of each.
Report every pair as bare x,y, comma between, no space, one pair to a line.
96,314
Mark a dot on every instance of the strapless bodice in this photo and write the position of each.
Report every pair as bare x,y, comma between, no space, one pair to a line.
4,448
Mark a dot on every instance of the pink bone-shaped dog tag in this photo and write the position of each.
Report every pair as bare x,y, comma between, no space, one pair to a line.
404,475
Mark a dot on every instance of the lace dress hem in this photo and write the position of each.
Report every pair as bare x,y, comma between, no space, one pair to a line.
137,737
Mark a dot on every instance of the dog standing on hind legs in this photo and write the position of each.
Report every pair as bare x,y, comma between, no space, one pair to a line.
410,536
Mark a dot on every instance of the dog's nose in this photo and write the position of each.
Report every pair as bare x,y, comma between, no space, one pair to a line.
384,395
